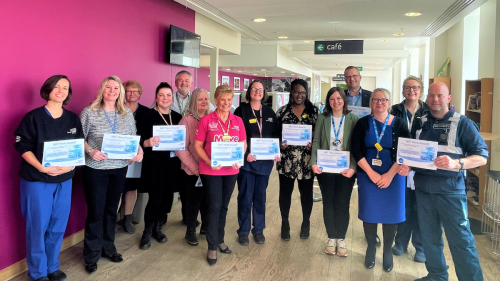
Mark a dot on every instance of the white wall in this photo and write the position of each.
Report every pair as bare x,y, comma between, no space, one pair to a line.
471,51
454,50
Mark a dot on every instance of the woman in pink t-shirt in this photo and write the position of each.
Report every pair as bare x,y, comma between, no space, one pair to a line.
219,126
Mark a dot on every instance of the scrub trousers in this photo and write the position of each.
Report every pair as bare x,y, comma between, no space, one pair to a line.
45,208
251,201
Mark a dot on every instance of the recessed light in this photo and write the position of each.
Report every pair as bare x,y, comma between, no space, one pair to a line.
398,34
228,69
239,71
380,59
384,40
283,37
293,73
282,72
260,42
259,20
413,14
263,69
307,41
255,74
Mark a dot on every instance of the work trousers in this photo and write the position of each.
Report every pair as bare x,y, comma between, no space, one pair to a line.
45,208
306,196
409,228
449,211
194,201
160,202
219,190
336,191
251,201
103,189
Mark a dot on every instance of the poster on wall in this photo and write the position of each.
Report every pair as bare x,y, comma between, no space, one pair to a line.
268,84
236,83
246,82
225,80
282,85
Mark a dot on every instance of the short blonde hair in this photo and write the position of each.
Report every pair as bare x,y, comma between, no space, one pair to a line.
98,103
386,93
223,90
419,81
133,84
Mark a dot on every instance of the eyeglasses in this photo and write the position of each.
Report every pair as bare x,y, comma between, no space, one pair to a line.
414,88
351,77
295,93
258,90
382,101
132,92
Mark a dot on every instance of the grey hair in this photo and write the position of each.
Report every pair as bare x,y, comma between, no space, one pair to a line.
386,93
193,103
183,72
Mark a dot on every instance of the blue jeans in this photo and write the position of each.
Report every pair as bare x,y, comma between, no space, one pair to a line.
251,201
448,211
410,227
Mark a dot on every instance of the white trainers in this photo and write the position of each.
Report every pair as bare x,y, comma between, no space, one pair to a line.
331,246
341,248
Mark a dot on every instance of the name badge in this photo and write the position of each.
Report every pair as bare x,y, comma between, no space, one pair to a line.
376,162
226,138
441,126
252,121
172,154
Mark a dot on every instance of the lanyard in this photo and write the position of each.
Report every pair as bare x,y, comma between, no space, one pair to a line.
113,126
379,137
357,100
413,116
226,136
170,117
259,124
337,132
181,111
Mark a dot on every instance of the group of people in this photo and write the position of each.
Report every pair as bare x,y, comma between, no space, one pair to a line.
439,196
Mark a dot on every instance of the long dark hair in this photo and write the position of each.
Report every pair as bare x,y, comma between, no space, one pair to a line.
328,109
309,105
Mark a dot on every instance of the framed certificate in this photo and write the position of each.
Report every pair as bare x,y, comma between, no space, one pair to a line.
117,146
227,153
171,137
265,149
331,161
63,153
297,134
417,153
360,111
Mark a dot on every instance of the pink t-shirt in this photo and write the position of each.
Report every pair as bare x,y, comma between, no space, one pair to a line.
209,130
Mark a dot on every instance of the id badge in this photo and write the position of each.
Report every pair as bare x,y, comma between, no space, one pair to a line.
252,121
172,154
226,138
378,146
376,162
198,182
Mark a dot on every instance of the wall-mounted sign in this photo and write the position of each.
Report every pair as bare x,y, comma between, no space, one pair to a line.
338,47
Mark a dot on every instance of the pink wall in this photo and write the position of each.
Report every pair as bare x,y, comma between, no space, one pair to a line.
87,41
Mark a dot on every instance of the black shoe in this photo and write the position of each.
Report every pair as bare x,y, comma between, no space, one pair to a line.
388,262
212,261
259,238
91,267
57,276
45,278
285,230
203,232
128,225
163,222
146,237
243,240
114,257
191,237
370,257
226,250
158,234
304,230
378,241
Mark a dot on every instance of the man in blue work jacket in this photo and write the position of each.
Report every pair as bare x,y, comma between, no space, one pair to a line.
441,198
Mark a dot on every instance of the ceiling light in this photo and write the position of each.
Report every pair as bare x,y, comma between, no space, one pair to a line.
413,14
282,72
384,40
381,59
259,20
398,34
239,71
255,74
283,37
228,69
263,69
260,42
293,73
307,41
377,63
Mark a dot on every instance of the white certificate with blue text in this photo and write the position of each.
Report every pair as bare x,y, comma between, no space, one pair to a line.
265,149
360,111
117,146
332,161
294,134
227,153
63,153
417,153
171,137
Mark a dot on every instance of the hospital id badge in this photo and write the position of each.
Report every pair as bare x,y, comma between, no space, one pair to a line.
172,154
198,182
376,162
226,138
252,121
378,146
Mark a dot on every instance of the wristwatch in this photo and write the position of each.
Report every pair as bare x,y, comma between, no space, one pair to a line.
461,164
88,151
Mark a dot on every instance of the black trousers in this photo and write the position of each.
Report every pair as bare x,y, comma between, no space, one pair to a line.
159,204
102,189
336,191
194,201
219,190
306,196
183,195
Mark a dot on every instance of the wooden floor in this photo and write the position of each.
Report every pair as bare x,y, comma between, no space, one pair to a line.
296,259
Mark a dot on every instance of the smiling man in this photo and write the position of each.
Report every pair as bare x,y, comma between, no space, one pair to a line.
355,95
183,83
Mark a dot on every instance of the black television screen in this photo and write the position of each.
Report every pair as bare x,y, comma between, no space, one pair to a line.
184,47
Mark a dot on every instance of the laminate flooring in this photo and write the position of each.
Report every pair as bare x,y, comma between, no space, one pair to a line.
276,259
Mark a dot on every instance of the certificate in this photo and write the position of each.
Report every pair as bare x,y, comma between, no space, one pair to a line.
117,146
417,153
227,153
297,134
171,137
63,153
331,161
265,149
360,111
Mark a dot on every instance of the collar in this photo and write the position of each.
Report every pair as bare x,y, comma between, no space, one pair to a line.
214,115
445,117
359,93
177,94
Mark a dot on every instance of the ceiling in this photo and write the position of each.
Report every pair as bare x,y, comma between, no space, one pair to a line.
375,21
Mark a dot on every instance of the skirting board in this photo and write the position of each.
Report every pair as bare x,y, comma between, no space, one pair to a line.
21,266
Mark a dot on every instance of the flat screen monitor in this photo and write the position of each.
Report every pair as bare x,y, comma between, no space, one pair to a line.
183,47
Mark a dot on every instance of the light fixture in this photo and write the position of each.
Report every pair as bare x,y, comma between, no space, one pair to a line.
307,41
255,74
384,40
263,69
282,37
398,34
239,71
293,74
413,14
260,42
282,72
228,69
377,63
259,20
380,59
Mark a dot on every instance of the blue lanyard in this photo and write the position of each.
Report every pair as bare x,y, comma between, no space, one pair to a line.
352,99
113,126
379,137
337,132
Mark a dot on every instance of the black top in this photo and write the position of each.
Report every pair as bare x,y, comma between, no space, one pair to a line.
358,147
398,110
159,170
38,127
270,129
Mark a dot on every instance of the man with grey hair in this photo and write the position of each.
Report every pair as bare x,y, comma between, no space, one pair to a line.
183,83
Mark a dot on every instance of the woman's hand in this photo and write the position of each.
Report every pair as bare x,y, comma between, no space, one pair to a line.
374,176
283,145
235,166
56,170
251,158
309,146
277,158
216,168
385,180
97,155
348,173
137,158
316,169
152,141
404,170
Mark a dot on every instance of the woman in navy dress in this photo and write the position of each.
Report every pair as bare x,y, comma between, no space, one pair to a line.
381,190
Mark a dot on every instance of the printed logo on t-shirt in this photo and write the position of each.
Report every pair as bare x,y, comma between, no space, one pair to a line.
270,119
196,132
18,138
237,128
72,131
218,138
212,126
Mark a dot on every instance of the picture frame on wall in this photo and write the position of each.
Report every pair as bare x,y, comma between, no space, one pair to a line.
225,80
236,83
246,82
